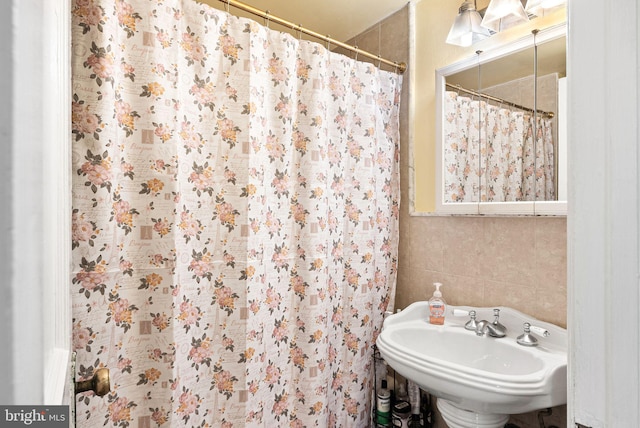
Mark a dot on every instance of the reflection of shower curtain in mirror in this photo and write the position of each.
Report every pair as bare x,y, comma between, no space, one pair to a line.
235,209
489,155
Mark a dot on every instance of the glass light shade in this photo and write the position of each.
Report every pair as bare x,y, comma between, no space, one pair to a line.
466,28
538,7
501,14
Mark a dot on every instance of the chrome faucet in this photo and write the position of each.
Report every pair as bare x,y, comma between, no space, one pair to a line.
471,324
485,327
527,339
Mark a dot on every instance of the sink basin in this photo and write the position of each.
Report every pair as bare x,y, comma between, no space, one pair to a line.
490,358
481,376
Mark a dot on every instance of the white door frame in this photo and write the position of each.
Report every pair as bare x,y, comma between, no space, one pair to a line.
57,197
603,222
40,199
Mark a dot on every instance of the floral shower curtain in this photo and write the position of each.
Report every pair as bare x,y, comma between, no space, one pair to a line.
235,219
490,155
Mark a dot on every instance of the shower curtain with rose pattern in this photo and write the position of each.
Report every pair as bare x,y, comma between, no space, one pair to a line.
490,154
235,219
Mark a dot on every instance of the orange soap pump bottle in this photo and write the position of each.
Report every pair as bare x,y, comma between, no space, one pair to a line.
437,306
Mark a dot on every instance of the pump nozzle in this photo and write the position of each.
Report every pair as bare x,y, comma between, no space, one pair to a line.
437,293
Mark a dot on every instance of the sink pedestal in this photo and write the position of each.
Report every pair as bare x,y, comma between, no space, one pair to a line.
456,417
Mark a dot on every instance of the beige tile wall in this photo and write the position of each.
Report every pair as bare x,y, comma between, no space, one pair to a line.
486,261
482,261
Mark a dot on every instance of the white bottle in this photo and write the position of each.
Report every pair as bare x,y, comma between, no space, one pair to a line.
437,306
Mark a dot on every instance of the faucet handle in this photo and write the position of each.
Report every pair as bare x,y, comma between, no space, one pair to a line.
496,322
528,339
471,324
539,331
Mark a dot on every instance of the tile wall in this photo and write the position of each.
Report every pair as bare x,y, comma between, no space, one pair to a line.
512,261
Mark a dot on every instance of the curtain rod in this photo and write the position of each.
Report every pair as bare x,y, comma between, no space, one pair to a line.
547,114
399,66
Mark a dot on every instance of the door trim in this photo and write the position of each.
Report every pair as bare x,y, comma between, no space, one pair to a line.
56,189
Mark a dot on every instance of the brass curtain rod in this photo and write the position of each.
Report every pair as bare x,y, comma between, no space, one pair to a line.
547,114
399,66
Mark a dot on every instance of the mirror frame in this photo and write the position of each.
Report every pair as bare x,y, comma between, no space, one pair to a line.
550,208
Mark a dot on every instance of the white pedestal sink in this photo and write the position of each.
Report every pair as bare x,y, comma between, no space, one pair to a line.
479,380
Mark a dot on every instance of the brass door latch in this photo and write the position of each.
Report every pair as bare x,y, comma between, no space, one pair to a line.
99,383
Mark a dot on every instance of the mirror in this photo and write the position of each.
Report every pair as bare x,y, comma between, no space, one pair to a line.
500,139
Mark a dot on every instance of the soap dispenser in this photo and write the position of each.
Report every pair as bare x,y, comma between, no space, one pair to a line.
437,306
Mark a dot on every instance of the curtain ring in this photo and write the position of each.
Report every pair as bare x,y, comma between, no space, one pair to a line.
266,18
299,31
356,58
379,61
395,64
328,42
228,6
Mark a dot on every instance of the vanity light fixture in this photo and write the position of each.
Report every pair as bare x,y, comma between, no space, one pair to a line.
466,28
538,7
501,14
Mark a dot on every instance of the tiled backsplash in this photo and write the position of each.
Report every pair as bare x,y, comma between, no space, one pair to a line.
486,261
